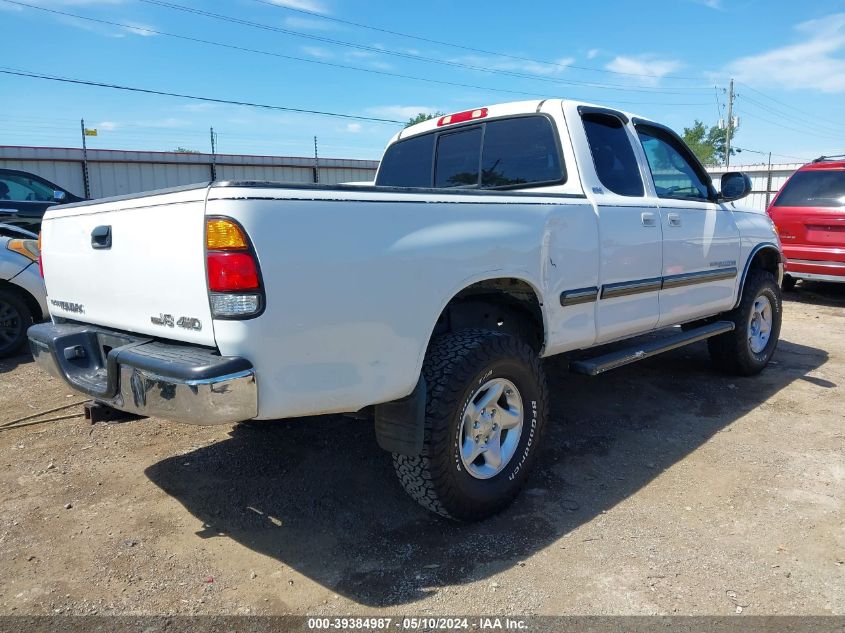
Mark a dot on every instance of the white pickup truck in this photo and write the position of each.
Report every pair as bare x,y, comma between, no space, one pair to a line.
491,238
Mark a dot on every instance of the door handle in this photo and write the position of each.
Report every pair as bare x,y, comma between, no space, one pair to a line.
101,237
674,219
648,219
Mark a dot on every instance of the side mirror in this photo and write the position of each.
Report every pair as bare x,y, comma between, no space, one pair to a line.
735,185
58,196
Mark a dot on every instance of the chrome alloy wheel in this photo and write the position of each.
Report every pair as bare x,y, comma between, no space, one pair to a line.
760,324
491,425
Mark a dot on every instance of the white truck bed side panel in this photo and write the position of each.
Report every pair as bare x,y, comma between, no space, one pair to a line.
354,288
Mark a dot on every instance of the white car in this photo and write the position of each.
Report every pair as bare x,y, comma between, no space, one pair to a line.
492,238
23,298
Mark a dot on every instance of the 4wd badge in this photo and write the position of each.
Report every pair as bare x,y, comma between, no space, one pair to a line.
167,320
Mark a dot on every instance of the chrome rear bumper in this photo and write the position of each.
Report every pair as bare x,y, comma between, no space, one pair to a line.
147,377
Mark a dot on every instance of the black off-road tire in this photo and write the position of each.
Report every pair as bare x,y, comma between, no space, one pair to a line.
15,319
456,364
731,352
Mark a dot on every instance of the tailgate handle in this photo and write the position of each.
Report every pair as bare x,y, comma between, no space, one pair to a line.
101,237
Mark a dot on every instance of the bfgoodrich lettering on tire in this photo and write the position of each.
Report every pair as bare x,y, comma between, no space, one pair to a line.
486,408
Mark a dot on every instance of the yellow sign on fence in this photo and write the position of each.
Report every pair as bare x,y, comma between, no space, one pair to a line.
90,132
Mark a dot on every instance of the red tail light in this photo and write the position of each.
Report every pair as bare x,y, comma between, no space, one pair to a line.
234,278
231,272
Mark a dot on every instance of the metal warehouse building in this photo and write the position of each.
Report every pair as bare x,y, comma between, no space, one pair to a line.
116,172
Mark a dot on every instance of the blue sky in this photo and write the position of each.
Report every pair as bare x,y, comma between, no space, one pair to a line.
668,60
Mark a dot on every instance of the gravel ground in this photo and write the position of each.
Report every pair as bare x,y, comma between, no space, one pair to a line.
663,488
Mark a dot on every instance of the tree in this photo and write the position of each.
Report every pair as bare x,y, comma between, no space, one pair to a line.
422,116
183,150
707,143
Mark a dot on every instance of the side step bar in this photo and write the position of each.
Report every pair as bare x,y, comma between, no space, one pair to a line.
601,364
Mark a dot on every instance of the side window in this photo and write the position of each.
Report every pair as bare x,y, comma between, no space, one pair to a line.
673,173
24,190
457,159
613,155
407,163
520,151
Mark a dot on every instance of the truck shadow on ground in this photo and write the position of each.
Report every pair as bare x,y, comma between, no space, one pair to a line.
10,363
319,496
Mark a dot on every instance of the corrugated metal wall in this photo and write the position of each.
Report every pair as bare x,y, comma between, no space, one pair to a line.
761,191
116,172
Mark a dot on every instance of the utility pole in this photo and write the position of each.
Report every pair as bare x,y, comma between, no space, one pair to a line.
85,182
316,163
213,154
729,124
769,182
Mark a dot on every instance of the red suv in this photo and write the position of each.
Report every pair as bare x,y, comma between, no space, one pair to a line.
809,212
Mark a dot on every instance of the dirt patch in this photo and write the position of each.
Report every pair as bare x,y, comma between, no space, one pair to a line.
664,487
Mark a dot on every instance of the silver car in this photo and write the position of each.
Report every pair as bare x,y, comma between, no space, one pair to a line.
23,298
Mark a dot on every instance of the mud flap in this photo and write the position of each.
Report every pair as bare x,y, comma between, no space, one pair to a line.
400,424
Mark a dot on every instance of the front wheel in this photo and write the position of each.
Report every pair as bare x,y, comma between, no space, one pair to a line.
486,407
748,348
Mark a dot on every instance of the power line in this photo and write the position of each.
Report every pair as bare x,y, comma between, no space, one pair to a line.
23,73
810,114
300,59
464,47
386,51
787,127
779,113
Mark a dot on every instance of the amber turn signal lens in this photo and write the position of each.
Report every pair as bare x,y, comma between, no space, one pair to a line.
223,235
27,248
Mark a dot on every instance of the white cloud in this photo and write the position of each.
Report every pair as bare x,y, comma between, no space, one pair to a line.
141,29
499,63
318,52
353,127
593,53
401,112
711,4
305,5
812,63
109,126
650,67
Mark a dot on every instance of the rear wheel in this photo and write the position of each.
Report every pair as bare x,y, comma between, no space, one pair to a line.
15,318
749,347
485,413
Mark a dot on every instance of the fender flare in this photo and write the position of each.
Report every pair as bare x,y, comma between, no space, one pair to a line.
754,252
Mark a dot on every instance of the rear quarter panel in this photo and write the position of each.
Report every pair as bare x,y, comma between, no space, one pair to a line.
356,281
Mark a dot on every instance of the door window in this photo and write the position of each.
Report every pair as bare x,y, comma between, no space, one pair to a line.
613,155
672,168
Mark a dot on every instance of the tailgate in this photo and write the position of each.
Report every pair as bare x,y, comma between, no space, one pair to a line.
804,226
134,263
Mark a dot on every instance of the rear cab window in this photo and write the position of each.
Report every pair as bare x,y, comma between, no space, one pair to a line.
613,155
509,153
814,188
